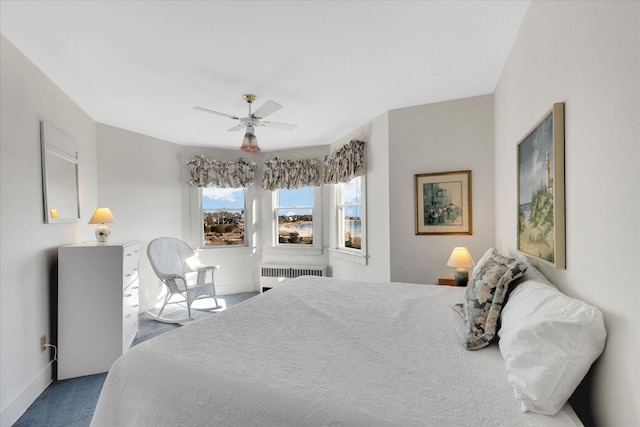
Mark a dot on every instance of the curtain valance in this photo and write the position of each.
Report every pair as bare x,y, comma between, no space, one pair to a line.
219,173
346,163
281,173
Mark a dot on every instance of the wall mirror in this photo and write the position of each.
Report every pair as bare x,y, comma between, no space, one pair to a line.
59,175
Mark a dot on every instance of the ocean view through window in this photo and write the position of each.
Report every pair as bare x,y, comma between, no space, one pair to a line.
223,216
294,213
350,214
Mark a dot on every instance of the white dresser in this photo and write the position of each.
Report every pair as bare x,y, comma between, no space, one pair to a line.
97,305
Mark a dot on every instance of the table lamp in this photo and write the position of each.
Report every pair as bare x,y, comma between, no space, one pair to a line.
461,259
102,216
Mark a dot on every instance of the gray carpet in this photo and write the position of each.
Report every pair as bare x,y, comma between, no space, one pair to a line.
70,403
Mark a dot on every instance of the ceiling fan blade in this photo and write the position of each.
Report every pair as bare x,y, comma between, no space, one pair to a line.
215,112
236,128
276,125
267,108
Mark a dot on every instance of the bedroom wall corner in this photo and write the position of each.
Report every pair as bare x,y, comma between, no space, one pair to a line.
29,247
139,180
440,137
376,267
586,54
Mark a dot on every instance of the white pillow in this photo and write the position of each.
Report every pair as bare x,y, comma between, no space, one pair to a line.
488,253
548,341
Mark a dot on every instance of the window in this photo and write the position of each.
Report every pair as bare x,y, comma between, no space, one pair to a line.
294,214
223,216
350,215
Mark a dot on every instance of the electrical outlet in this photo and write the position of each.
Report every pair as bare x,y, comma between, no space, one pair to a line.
43,342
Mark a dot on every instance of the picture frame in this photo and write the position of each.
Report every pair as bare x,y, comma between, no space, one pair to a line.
443,203
541,196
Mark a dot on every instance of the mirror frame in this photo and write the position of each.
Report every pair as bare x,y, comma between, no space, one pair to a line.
55,143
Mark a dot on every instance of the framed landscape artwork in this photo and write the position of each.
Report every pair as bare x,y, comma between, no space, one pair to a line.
541,213
443,203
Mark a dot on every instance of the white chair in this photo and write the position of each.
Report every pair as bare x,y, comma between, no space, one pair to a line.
176,265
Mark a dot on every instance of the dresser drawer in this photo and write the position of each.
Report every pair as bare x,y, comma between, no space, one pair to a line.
130,264
129,314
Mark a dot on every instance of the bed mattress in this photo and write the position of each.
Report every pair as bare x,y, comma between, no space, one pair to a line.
316,352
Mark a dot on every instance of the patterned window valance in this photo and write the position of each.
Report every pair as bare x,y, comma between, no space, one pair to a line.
346,163
219,173
279,173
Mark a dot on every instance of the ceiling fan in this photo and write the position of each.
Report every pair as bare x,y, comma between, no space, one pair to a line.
253,120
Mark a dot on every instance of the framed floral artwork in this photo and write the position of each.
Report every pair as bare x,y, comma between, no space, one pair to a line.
443,203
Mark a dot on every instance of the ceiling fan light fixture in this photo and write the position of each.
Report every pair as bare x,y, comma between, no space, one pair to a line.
249,143
252,120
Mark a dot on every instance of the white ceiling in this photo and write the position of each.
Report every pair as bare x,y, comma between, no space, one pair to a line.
333,65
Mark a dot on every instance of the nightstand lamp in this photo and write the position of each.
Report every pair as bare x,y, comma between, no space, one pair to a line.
102,216
461,259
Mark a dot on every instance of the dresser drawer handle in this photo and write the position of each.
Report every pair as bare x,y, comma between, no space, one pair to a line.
127,295
128,315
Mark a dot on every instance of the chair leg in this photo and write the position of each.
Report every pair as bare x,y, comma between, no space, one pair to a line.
166,299
189,307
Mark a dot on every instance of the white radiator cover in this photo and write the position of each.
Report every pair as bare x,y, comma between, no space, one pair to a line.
273,274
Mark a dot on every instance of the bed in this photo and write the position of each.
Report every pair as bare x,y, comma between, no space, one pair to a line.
316,352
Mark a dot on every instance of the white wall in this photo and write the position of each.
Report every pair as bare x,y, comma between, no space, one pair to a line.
587,55
28,246
442,137
139,179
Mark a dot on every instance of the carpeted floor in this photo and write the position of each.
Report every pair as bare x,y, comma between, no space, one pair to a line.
71,402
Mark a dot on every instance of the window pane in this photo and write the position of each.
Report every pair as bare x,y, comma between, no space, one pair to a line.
352,192
222,198
296,197
295,224
223,216
351,214
352,227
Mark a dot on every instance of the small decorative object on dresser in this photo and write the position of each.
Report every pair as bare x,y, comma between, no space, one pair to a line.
461,259
102,216
97,305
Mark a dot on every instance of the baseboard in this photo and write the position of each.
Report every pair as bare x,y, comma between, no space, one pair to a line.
14,409
235,289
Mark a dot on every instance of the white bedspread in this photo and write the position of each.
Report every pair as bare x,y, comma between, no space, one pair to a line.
317,352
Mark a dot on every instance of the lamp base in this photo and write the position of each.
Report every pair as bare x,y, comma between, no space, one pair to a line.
102,233
462,277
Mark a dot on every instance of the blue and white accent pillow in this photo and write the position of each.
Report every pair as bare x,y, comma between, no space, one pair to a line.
486,295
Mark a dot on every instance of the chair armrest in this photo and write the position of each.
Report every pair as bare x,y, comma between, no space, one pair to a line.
194,265
162,276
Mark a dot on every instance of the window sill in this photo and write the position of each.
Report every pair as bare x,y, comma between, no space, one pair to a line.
294,250
351,256
229,248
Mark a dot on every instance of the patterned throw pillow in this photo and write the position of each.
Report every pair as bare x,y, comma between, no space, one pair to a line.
485,297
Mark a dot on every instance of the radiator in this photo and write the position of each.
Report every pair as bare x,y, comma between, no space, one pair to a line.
272,275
